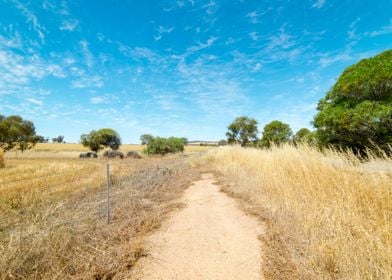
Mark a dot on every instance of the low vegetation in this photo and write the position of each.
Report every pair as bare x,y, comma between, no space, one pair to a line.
327,215
52,214
163,146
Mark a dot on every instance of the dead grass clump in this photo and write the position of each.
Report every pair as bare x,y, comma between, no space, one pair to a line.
327,215
2,164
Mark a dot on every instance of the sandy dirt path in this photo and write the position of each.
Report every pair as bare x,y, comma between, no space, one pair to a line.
210,238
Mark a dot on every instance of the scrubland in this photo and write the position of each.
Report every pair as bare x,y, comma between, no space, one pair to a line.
327,214
52,214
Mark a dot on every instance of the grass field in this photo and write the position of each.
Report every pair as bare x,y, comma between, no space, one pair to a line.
327,215
52,213
72,150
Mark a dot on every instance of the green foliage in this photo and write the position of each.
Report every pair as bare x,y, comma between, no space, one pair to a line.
110,138
145,139
243,130
357,111
97,140
17,133
58,139
276,132
162,146
42,139
304,135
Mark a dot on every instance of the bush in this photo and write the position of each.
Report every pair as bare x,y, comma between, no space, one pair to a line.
133,154
113,154
163,146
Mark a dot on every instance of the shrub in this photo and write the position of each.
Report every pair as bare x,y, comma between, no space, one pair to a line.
163,146
133,154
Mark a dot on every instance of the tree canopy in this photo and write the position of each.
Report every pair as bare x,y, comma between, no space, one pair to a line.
276,132
15,132
243,130
357,111
97,140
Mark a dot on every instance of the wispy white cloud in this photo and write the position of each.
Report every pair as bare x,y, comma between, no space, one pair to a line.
161,31
98,100
253,16
201,46
319,4
69,25
254,36
88,56
387,29
88,82
35,101
32,19
329,59
210,7
281,40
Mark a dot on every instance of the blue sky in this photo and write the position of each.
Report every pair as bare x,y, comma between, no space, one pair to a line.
182,68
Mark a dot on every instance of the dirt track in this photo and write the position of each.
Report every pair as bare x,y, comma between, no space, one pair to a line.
210,238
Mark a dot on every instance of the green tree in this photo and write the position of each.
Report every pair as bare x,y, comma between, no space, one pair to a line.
301,135
42,139
145,139
357,111
276,132
97,140
58,139
110,138
243,130
17,133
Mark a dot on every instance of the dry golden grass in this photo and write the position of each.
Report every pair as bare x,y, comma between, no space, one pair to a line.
327,215
52,214
72,150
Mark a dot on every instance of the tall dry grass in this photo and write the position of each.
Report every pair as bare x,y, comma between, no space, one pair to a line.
53,227
327,215
2,159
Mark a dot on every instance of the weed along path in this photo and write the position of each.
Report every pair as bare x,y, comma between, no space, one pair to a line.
210,238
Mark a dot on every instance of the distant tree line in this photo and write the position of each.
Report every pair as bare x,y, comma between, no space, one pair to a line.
356,113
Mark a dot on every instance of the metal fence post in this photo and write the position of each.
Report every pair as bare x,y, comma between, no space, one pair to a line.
107,194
